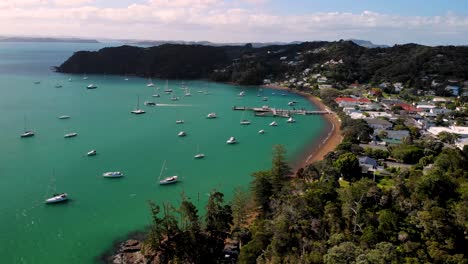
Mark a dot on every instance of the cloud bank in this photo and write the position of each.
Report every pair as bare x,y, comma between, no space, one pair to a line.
220,21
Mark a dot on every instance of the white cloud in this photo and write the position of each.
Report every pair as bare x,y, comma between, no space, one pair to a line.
72,2
217,21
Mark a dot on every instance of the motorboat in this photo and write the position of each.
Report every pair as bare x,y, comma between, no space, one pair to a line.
292,103
91,86
70,79
182,134
113,174
169,180
242,93
245,122
211,115
261,131
28,133
64,117
57,198
179,121
138,111
175,98
265,99
150,103
188,94
37,82
58,86
291,120
273,123
156,95
199,156
150,84
231,140
69,135
92,153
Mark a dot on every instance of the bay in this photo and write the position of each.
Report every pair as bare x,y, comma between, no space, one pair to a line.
104,210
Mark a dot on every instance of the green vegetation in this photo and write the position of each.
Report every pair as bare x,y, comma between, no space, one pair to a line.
407,64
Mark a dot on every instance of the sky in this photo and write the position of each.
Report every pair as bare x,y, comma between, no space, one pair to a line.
430,22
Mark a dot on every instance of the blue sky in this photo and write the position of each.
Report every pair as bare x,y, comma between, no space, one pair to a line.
431,22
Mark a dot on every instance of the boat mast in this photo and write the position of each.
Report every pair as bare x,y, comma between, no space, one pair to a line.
162,169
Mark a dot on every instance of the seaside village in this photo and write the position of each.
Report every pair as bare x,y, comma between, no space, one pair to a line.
396,114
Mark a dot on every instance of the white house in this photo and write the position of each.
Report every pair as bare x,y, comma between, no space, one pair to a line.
459,130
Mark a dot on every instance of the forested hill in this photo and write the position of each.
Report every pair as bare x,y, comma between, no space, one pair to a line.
343,62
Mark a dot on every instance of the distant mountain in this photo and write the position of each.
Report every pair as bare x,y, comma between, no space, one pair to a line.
206,43
46,39
368,44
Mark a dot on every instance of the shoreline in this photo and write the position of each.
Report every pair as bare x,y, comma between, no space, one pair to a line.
329,139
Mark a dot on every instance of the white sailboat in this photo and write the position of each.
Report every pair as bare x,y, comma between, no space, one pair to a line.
27,132
57,198
167,90
150,83
91,86
167,180
182,134
261,131
138,111
273,123
291,120
244,121
180,121
92,152
155,93
64,117
199,155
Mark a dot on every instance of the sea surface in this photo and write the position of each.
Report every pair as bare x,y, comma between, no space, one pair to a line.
101,210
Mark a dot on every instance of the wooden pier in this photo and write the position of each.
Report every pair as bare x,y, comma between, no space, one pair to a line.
267,111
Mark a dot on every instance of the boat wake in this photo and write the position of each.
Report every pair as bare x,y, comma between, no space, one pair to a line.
175,105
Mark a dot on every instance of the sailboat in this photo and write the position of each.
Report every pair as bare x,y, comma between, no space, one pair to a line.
167,180
57,198
70,135
27,133
273,123
138,111
244,121
150,83
291,120
199,155
167,90
155,93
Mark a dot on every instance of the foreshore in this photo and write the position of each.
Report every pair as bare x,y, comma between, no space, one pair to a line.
329,139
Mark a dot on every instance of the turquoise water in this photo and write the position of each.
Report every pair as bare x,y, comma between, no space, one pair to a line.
103,210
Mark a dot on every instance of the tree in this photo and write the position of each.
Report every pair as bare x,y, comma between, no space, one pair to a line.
240,207
348,166
344,253
262,190
407,153
280,170
447,137
218,215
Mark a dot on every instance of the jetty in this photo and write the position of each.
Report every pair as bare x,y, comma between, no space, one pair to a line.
269,111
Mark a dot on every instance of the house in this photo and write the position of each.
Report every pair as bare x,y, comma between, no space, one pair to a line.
348,101
454,90
461,143
407,107
398,87
425,108
394,134
322,79
368,164
459,130
439,100
378,123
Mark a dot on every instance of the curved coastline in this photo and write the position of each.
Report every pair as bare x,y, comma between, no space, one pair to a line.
329,139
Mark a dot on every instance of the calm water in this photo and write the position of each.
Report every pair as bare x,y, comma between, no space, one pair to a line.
103,210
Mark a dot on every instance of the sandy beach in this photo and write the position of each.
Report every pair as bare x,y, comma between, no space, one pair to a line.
327,141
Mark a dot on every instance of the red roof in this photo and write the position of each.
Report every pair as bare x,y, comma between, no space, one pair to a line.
408,107
352,100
